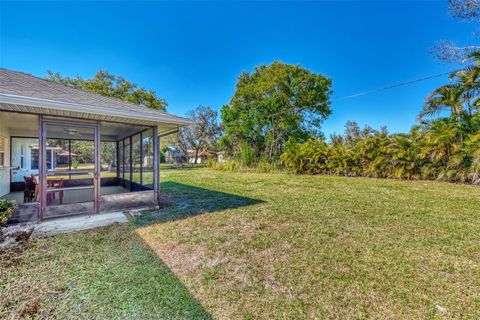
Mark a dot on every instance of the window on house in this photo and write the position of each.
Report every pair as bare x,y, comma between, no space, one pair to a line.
35,159
3,146
23,147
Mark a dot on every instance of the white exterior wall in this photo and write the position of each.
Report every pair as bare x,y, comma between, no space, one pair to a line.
5,171
192,160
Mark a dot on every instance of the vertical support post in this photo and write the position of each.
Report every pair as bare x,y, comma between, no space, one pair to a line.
156,164
117,143
141,161
97,174
69,158
130,162
123,164
42,159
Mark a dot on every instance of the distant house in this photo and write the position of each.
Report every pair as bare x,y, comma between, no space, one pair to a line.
204,155
201,157
221,156
64,156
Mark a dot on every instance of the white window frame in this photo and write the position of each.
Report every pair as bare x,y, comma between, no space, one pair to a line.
3,152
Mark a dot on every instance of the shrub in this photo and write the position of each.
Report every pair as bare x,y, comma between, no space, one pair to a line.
309,157
229,165
437,150
210,162
6,210
75,163
265,167
247,155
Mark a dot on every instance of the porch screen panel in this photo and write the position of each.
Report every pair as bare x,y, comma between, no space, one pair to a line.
58,154
127,159
136,163
108,156
70,161
121,159
147,160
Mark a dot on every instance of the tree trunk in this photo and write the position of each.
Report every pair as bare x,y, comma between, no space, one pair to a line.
196,156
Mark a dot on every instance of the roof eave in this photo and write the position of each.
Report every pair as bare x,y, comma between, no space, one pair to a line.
75,107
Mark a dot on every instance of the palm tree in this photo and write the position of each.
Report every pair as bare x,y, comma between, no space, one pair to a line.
372,155
447,97
461,96
472,148
404,152
469,80
442,143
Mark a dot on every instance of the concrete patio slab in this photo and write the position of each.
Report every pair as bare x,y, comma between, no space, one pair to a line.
73,224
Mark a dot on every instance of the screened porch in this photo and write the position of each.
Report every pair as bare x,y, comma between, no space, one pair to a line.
83,174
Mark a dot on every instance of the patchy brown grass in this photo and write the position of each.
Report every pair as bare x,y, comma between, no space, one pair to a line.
321,247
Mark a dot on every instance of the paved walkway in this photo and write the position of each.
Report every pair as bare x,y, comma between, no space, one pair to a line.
72,224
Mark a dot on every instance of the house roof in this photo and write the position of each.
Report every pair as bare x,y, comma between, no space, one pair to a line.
22,92
201,153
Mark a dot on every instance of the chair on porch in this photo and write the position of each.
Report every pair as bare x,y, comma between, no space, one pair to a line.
57,183
29,191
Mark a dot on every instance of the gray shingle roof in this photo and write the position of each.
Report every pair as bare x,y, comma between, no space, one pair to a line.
25,85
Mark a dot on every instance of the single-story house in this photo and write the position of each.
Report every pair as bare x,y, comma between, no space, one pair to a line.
64,157
203,155
111,148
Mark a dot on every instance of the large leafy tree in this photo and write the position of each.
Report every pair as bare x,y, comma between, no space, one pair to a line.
272,105
110,85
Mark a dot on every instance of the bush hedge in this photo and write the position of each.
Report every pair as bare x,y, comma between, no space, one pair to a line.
6,210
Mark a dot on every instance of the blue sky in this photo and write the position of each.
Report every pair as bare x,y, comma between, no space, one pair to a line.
191,53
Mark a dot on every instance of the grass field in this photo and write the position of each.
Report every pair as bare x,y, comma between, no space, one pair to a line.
257,246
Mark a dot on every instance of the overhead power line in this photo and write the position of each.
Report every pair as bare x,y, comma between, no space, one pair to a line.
392,86
376,90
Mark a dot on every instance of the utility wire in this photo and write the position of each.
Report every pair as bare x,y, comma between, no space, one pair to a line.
392,86
401,84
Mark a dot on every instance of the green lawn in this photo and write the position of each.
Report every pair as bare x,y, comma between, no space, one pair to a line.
246,245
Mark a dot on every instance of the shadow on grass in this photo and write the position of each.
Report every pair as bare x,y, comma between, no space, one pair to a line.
105,273
182,201
172,299
186,201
